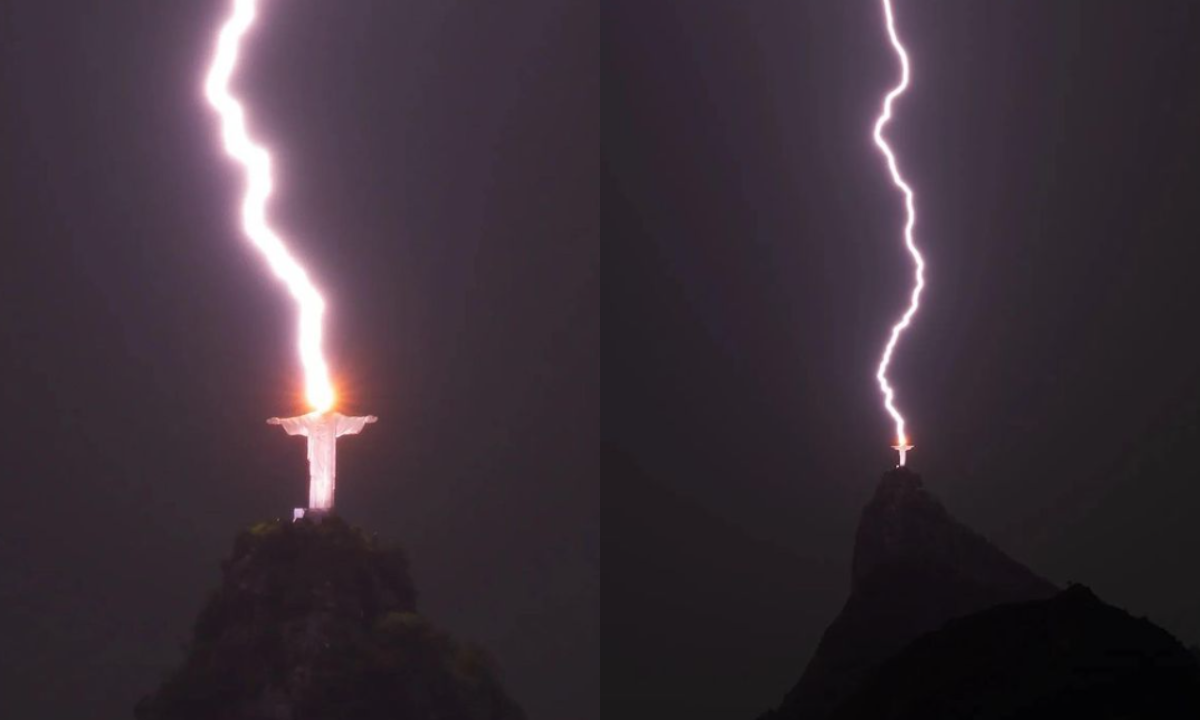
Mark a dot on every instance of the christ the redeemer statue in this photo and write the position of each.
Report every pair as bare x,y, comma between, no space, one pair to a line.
322,430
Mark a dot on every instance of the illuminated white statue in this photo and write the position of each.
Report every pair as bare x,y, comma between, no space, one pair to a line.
322,430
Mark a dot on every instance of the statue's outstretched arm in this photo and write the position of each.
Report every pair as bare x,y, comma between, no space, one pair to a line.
353,425
292,425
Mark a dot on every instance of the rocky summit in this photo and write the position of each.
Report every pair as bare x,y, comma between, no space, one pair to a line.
318,621
915,567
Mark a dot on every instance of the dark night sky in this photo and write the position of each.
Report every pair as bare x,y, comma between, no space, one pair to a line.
752,266
437,167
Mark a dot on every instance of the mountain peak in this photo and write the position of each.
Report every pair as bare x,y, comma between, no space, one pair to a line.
319,620
905,525
915,567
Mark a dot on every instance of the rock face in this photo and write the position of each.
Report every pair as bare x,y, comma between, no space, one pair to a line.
1068,657
915,568
318,621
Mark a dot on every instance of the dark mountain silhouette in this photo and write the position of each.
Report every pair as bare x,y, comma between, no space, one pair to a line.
1071,656
915,567
316,621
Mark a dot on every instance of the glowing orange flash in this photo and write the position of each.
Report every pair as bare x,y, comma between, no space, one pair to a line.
256,162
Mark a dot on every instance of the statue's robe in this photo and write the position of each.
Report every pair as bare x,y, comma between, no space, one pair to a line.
322,431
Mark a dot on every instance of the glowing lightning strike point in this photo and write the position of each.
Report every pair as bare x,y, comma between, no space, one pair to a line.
902,444
256,161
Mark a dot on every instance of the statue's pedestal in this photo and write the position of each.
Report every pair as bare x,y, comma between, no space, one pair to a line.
310,513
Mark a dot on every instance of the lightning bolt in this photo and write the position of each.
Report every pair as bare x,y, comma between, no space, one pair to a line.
885,117
256,162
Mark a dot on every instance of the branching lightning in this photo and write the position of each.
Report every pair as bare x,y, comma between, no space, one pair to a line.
885,116
256,162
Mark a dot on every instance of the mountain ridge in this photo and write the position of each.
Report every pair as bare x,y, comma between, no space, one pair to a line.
1069,656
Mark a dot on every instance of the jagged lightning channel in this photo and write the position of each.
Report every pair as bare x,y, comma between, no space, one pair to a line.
885,116
256,162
